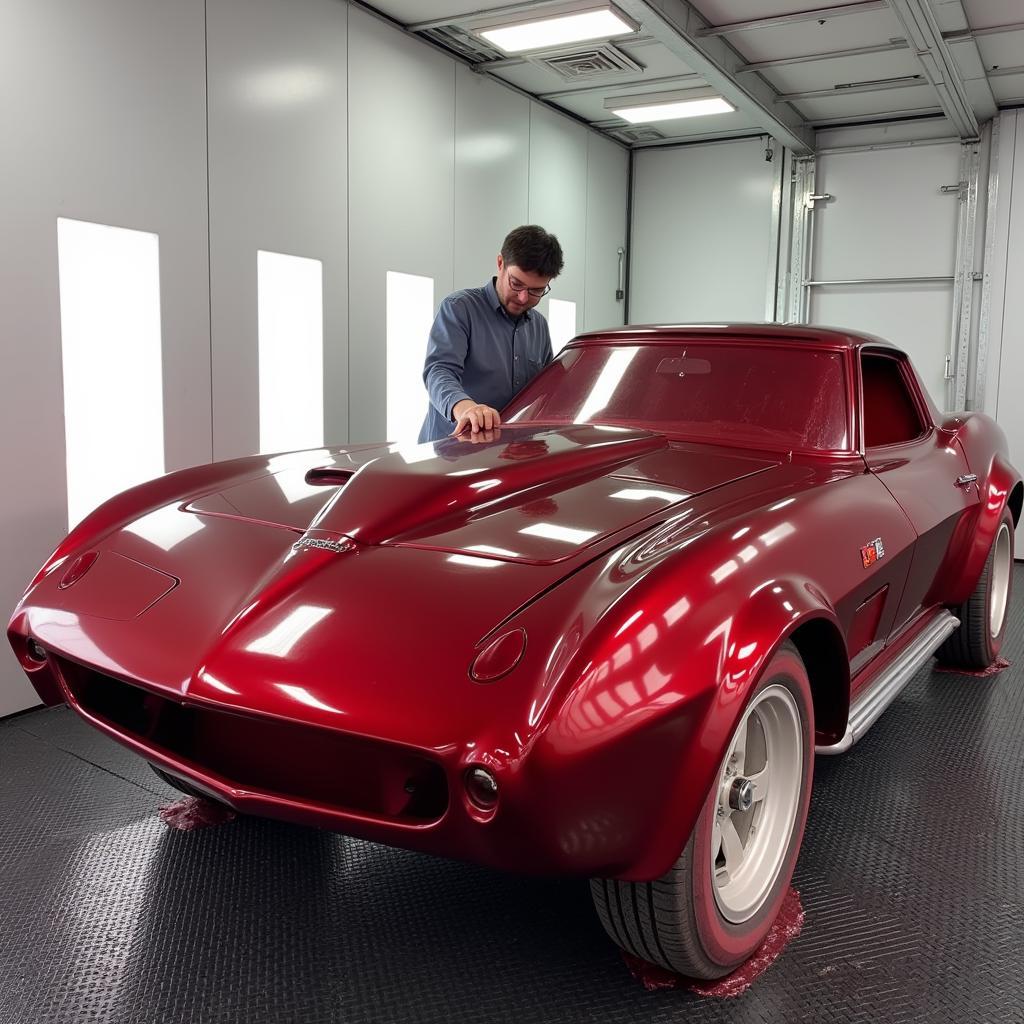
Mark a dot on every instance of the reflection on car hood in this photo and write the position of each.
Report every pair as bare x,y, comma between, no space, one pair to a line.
536,495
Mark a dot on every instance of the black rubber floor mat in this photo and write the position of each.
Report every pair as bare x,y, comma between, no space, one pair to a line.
911,876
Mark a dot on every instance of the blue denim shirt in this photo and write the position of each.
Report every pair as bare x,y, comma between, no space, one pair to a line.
476,350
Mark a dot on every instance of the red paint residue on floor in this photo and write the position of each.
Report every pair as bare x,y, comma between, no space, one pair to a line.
786,928
997,666
191,813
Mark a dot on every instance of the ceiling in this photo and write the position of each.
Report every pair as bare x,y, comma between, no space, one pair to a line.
788,66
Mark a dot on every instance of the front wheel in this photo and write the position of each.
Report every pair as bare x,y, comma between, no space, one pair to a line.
716,904
979,637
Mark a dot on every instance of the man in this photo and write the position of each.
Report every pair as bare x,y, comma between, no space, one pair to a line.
487,343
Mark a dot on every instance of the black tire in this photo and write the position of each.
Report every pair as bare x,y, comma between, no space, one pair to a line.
979,637
688,921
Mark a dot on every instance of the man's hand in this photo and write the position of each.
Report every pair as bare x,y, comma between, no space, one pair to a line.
472,417
482,437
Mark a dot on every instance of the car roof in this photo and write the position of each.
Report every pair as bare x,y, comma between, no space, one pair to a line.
817,337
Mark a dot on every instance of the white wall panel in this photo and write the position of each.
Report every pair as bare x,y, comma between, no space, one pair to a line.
278,182
915,317
558,194
607,192
492,161
701,233
889,218
103,121
401,180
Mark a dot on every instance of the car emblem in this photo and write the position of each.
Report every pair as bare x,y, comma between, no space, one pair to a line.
871,553
323,544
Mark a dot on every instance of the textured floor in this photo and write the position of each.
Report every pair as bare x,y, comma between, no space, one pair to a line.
912,879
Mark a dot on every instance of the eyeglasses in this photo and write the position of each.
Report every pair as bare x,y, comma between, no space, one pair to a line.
535,293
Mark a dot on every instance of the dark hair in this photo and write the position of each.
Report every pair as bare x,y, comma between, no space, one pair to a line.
532,249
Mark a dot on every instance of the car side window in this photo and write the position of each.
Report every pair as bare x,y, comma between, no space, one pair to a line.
891,415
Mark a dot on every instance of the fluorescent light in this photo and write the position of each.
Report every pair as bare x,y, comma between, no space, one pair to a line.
668,106
578,26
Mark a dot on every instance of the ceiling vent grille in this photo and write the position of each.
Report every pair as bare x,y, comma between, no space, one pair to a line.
594,62
462,43
632,135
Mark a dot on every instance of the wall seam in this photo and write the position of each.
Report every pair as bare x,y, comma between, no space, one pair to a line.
1006,256
586,241
348,225
209,230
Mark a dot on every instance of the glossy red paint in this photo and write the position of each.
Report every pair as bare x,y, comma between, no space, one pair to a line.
293,634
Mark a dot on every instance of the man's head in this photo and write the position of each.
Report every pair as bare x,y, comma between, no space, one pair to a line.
530,257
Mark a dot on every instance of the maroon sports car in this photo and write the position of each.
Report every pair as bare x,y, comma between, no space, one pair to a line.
604,640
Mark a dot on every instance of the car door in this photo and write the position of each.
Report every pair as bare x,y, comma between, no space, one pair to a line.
921,465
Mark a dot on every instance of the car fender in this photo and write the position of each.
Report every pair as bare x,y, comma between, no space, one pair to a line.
146,497
649,707
998,484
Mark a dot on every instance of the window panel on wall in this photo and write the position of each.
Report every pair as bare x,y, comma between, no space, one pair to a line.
290,317
109,280
561,322
410,312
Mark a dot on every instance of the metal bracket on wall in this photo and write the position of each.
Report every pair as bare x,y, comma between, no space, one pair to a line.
985,317
963,282
801,240
778,234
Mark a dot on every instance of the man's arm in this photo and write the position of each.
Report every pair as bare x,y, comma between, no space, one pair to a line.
443,367
447,348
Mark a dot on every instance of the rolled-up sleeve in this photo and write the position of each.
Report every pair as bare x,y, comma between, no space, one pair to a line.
447,348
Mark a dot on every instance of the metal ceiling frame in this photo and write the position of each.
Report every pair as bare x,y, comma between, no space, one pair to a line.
940,67
582,90
847,90
818,14
860,51
684,31
677,24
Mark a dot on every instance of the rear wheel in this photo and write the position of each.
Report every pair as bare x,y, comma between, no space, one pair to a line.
716,904
979,637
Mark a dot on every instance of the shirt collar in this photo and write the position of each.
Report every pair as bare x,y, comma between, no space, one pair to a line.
492,295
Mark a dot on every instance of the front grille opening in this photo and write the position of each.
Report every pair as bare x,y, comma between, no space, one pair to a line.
267,756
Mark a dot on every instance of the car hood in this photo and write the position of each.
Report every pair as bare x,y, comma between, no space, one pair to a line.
533,495
357,593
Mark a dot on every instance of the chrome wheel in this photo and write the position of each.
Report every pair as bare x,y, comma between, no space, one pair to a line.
1002,562
759,790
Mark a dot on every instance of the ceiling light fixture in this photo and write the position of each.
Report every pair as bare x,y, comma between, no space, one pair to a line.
668,106
566,25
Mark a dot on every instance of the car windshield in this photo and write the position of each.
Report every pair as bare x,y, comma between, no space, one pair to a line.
775,395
